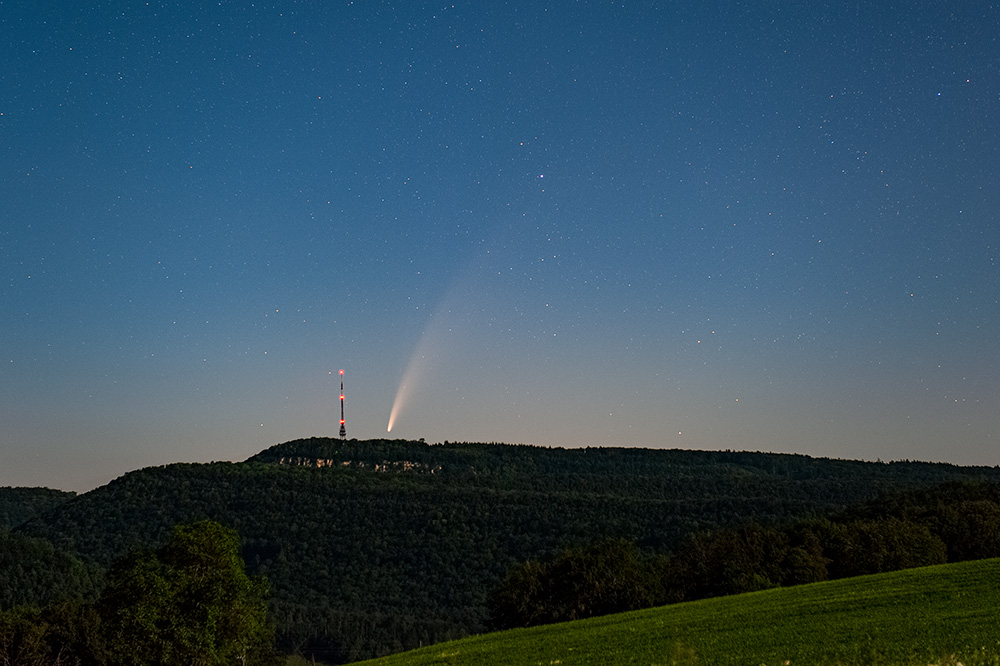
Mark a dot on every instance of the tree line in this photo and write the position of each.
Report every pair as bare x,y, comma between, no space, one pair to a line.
953,523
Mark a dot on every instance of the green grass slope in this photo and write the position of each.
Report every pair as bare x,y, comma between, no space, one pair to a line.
935,615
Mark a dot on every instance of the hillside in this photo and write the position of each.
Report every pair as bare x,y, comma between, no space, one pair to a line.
18,505
933,615
33,572
378,546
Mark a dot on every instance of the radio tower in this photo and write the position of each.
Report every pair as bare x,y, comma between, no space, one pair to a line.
343,430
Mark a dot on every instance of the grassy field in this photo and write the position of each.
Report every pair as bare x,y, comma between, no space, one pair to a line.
936,615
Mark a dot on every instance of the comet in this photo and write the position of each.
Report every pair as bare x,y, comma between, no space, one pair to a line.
410,378
425,353
415,371
439,332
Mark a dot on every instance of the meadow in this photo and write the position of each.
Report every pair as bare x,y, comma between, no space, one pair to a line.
938,615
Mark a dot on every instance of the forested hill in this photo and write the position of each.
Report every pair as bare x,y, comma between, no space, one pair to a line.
607,469
376,546
20,504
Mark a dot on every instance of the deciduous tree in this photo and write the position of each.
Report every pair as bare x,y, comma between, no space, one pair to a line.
191,602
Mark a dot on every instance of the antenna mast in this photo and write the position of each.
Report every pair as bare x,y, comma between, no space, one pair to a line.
343,430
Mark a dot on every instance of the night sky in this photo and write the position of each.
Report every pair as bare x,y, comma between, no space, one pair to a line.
764,225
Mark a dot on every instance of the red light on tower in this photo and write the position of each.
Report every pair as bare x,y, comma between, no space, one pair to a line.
343,430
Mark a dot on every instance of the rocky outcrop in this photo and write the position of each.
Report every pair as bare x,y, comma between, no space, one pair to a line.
384,466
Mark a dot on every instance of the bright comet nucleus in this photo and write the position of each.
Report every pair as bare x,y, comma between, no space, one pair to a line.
412,375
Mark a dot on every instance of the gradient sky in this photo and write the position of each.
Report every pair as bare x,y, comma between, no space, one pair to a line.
760,225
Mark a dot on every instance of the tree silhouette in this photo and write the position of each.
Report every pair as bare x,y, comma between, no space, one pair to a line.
189,602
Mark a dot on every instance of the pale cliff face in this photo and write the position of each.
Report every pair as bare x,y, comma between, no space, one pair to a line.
386,466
